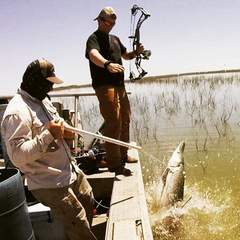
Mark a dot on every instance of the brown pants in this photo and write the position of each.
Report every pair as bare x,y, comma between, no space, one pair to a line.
115,109
73,205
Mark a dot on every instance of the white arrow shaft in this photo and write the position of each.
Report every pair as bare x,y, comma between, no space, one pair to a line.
107,139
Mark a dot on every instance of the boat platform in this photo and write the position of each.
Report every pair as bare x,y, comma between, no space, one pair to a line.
126,215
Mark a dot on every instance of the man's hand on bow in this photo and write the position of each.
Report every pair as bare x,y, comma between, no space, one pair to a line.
139,49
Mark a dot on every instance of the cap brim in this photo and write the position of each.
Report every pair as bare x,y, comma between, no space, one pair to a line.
55,80
112,16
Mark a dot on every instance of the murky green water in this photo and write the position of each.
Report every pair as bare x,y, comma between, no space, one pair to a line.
203,111
206,114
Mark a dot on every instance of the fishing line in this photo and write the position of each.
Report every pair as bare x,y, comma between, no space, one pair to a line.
151,156
99,204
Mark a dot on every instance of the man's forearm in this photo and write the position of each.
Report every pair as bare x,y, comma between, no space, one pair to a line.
97,58
21,147
129,55
100,61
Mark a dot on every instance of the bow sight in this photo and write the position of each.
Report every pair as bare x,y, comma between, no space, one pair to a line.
135,39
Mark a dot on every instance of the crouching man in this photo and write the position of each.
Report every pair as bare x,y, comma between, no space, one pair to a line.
34,135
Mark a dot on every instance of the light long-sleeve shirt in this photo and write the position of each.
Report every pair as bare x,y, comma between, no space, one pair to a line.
45,161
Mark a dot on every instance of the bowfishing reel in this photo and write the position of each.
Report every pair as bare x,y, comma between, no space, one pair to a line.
146,54
90,161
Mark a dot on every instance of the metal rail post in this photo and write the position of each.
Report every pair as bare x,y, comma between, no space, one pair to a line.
76,101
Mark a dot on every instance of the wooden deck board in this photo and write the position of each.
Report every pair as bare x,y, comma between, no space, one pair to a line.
128,211
126,229
99,226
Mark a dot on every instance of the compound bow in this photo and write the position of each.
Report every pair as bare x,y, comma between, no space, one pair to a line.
136,41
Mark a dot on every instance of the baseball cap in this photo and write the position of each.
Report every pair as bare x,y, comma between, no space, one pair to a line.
107,12
44,68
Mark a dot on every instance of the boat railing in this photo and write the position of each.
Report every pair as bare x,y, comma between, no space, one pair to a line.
76,97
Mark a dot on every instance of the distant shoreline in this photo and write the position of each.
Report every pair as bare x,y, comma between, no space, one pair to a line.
149,79
165,77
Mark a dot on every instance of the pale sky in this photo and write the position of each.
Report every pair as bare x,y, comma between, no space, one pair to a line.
183,35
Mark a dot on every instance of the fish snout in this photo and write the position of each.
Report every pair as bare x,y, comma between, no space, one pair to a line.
181,147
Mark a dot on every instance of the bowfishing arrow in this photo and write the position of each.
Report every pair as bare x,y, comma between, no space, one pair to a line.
135,38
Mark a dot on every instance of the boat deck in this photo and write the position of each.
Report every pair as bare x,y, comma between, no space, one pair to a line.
126,218
128,215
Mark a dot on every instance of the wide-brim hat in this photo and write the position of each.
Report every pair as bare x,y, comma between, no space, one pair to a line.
107,12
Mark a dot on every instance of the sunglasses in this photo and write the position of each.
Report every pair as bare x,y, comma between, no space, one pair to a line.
108,22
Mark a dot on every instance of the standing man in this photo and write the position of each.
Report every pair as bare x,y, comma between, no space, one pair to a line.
105,52
34,132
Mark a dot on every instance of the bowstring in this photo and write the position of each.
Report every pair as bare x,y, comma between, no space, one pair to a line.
131,39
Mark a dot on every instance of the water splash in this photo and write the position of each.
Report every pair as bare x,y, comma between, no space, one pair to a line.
176,221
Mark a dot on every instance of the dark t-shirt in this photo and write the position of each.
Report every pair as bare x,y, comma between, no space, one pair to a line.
111,48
